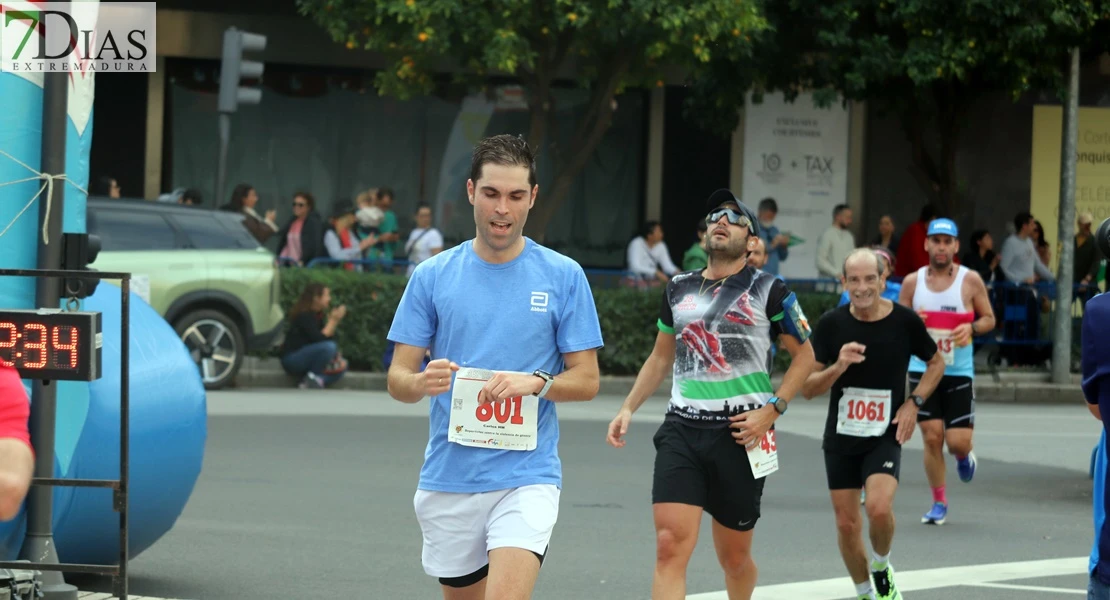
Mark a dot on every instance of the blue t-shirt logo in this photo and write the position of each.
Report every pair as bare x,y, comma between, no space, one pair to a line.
520,316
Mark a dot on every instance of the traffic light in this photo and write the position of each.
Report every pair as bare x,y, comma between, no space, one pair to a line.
79,250
234,69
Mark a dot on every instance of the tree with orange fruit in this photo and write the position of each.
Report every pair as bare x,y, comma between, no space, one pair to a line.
602,46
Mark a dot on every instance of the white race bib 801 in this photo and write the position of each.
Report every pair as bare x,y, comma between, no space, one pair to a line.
510,424
863,412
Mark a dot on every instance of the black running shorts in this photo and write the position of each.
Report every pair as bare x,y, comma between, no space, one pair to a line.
707,468
953,401
850,471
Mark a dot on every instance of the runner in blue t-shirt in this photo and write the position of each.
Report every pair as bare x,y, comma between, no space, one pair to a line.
512,329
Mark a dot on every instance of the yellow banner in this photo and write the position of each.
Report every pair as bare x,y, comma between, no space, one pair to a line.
1092,173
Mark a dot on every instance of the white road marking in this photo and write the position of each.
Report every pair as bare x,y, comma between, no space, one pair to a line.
924,579
1029,588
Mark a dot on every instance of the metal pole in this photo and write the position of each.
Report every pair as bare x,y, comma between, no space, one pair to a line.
221,169
38,545
1061,348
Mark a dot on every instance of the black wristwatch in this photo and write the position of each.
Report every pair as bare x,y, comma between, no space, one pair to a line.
776,402
547,378
918,400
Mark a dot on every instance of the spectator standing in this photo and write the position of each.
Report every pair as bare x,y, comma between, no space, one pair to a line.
1044,251
302,237
648,257
911,252
340,239
1020,262
776,243
886,238
1087,255
835,244
425,241
243,200
980,256
696,258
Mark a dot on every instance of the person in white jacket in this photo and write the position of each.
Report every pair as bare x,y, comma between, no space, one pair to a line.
648,256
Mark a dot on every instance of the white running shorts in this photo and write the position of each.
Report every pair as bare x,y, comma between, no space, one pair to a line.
460,529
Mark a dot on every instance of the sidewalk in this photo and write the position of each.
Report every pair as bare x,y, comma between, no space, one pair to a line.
1033,387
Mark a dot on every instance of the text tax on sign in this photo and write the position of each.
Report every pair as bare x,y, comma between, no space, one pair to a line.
509,424
863,412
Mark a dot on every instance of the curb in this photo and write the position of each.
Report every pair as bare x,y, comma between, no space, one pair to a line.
1012,387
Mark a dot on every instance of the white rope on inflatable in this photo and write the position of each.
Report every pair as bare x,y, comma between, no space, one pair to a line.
47,186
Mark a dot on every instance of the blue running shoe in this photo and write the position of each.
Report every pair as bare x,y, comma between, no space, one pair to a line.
966,467
936,514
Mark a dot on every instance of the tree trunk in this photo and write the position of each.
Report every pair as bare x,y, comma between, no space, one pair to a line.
949,115
587,136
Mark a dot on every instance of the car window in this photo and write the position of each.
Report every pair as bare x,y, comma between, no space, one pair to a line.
131,230
206,232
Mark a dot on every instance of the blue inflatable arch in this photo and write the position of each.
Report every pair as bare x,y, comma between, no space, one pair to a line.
168,409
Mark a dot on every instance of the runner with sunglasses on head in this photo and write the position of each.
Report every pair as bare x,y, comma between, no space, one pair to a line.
717,445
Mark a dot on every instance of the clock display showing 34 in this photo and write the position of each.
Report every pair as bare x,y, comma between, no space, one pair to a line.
51,344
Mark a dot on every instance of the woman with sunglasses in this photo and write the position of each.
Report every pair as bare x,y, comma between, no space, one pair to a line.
302,237
717,445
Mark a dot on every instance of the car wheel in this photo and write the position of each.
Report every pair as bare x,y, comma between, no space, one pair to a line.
215,343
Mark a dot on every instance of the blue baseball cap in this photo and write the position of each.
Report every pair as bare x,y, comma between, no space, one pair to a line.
943,227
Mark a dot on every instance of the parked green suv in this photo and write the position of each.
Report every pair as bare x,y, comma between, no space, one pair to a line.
208,276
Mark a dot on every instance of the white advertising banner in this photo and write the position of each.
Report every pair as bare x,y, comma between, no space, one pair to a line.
797,154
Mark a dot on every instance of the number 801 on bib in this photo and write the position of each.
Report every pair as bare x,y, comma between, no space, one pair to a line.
510,424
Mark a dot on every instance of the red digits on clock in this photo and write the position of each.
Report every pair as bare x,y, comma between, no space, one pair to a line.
70,347
509,410
39,346
7,342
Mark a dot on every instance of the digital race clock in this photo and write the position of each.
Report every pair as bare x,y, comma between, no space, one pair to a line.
50,344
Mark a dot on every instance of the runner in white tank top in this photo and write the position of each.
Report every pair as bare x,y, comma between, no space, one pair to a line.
954,303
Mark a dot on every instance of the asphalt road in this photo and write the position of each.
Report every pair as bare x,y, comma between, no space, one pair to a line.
309,495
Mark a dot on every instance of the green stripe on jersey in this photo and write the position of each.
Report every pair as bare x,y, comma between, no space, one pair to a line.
664,327
754,383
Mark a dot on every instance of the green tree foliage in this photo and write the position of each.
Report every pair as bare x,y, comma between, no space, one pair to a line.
603,46
925,60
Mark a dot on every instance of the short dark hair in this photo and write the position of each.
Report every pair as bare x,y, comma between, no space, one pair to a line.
307,198
505,150
382,192
191,195
839,208
648,228
1021,219
977,236
769,204
928,213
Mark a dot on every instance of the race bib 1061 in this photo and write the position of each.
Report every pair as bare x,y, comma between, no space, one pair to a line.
863,412
510,424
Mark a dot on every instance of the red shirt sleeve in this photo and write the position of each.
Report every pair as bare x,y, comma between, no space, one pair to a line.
15,407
